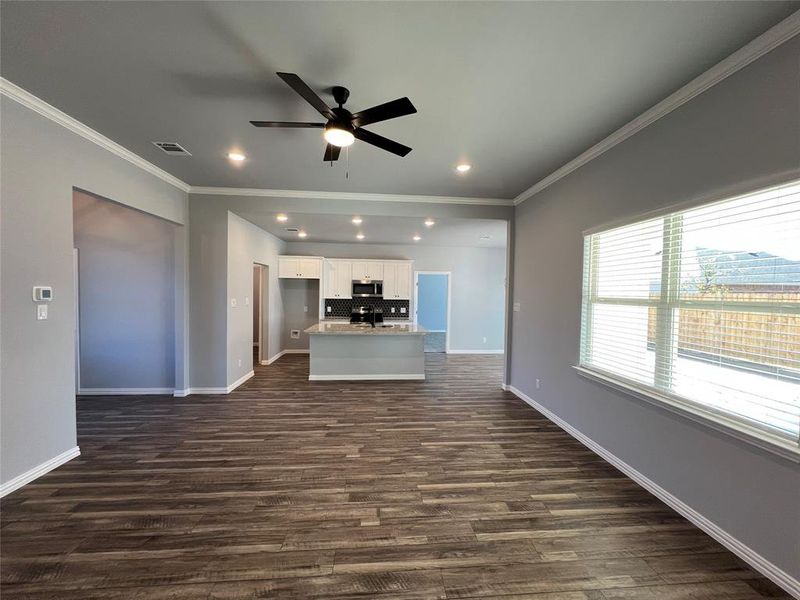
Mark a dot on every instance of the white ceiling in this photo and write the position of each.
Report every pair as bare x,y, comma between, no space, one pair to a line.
515,88
384,229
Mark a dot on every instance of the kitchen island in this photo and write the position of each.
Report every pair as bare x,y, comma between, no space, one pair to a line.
342,351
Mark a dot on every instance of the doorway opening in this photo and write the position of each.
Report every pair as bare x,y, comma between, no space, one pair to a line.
432,308
124,285
260,314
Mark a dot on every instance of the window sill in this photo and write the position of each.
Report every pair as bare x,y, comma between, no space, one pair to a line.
752,435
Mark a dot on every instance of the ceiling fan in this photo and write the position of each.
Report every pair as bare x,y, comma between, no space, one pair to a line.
343,127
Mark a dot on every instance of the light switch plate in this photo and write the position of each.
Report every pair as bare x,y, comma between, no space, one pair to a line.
233,302
516,307
247,300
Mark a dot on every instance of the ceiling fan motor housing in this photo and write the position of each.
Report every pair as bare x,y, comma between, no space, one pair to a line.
340,94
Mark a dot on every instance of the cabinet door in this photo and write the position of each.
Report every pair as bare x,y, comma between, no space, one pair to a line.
375,270
309,268
403,281
390,280
329,279
360,269
288,268
344,280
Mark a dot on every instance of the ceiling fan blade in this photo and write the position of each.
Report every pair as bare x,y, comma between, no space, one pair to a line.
287,124
310,96
389,110
381,142
331,153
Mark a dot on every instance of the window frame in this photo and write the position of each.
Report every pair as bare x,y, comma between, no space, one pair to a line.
668,302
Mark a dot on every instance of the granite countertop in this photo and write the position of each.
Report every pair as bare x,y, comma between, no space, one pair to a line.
342,328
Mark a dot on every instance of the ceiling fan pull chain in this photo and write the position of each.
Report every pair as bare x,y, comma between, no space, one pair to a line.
347,161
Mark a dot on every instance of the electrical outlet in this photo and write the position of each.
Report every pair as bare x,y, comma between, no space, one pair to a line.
247,300
305,309
394,310
538,384
240,362
295,334
41,312
329,308
233,302
484,340
402,310
516,307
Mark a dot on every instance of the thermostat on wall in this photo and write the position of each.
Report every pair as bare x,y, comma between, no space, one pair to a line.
42,293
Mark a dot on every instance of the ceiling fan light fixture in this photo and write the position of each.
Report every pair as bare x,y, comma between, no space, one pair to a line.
336,135
463,167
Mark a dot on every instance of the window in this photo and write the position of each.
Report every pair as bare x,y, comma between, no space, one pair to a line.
700,309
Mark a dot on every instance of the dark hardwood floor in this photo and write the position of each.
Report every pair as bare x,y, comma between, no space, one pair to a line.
448,488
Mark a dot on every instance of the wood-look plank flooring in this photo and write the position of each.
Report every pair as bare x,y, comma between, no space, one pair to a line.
448,488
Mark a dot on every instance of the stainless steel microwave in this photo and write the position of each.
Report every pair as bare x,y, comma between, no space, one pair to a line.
367,288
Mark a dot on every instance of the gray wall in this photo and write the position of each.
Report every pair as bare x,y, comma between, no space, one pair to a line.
248,244
300,310
126,294
478,284
42,162
739,134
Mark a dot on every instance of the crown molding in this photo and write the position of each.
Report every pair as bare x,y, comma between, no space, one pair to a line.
359,196
769,40
38,105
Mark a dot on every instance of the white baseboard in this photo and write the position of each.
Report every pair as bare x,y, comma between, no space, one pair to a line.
124,391
747,554
282,352
214,390
38,471
451,351
376,377
505,387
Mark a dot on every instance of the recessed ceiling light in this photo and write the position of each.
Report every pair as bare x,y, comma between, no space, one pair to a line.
417,238
360,236
430,223
236,156
357,221
301,234
463,168
486,237
282,218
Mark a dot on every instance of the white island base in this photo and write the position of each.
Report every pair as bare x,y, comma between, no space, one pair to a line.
344,352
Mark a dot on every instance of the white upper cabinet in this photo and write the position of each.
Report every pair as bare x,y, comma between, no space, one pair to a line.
299,267
397,280
338,278
367,269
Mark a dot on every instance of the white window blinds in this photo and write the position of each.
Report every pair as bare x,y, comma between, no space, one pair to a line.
702,308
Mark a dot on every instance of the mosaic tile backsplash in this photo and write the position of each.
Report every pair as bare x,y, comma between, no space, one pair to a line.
340,308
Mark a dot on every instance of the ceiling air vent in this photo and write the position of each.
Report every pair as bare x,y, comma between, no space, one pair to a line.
292,229
173,148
